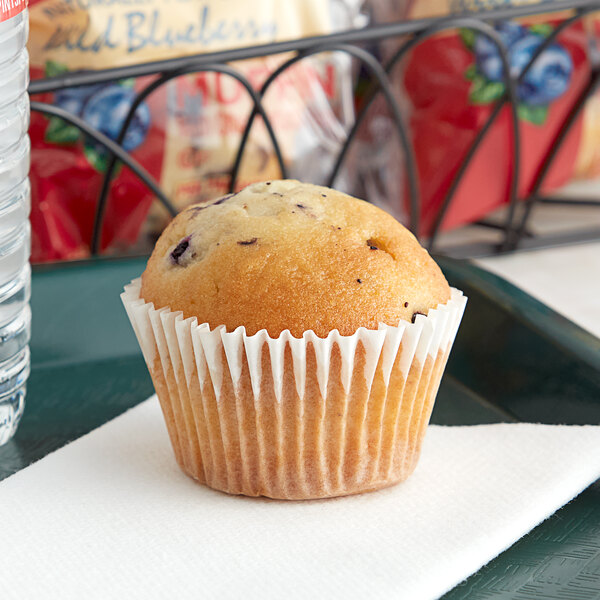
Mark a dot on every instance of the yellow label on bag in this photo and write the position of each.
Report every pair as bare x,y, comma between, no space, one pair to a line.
84,34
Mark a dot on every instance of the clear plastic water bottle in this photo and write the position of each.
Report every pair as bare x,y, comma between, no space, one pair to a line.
15,274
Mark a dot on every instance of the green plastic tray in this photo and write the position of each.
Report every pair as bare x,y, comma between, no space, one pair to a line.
514,360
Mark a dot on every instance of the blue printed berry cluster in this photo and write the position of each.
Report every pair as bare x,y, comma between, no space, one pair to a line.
546,80
104,107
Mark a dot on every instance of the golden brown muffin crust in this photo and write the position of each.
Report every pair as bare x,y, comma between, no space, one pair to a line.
288,255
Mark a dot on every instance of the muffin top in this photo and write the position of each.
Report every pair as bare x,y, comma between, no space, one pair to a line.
288,255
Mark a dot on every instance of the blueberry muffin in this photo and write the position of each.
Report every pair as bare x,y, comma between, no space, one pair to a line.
285,255
296,338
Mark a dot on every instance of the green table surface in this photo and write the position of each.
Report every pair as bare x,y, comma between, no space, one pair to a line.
514,360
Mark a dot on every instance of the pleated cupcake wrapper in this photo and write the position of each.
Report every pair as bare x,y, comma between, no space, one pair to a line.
294,417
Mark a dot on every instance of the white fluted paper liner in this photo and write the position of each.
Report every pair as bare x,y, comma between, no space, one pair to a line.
190,365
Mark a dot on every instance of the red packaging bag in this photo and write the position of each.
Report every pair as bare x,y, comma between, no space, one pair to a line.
67,171
451,99
448,86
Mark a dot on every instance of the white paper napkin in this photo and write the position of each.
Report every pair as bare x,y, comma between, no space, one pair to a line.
111,516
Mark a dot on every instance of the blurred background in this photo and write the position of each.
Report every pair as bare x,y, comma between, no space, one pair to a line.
477,124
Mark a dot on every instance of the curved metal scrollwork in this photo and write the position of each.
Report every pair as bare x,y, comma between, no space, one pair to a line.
112,147
348,42
378,73
141,96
